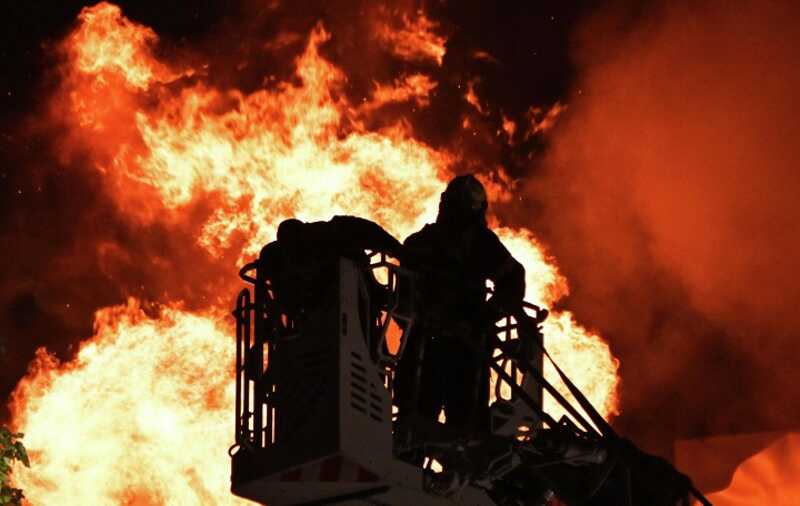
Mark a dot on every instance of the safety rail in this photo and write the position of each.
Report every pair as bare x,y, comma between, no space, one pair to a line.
397,317
381,295
389,294
258,323
261,325
514,340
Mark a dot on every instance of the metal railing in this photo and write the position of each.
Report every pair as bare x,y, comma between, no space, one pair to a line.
388,294
386,290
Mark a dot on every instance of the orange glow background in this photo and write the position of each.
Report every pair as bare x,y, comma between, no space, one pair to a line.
147,401
770,477
653,204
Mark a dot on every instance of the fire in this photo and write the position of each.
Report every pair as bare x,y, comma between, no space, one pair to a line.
472,98
108,43
769,477
134,417
509,127
416,87
583,355
143,414
414,39
541,120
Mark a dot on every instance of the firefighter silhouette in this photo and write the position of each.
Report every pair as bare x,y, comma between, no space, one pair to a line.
454,258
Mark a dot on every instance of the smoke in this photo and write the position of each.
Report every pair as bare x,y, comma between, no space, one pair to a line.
669,198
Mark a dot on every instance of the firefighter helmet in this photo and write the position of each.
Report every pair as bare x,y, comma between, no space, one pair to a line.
463,201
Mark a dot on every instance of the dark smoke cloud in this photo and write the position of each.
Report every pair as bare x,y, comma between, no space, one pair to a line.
670,199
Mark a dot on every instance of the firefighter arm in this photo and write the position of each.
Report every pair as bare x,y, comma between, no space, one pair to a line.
507,274
366,234
509,285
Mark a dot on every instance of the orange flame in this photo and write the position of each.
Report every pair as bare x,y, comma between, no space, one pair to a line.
147,402
107,43
415,40
134,417
769,477
541,121
472,98
416,87
509,127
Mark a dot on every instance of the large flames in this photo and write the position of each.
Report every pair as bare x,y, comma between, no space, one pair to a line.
144,413
133,418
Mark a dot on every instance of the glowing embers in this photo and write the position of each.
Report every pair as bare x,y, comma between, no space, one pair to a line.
412,37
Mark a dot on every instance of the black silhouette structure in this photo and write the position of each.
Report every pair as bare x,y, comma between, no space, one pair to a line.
299,263
316,385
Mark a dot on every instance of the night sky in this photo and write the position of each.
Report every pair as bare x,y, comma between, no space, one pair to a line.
666,191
